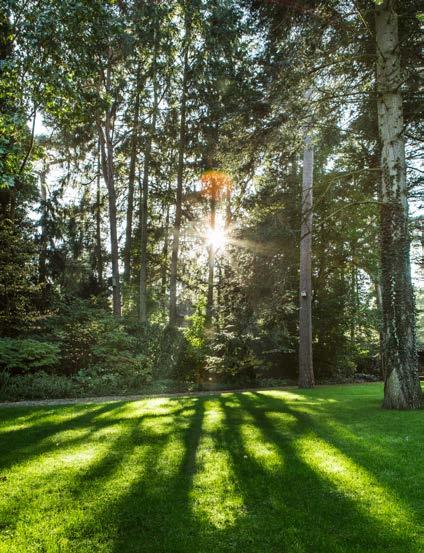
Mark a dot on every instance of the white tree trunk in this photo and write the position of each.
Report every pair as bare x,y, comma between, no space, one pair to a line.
306,371
402,388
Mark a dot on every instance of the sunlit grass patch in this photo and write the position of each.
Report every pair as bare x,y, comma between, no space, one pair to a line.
323,470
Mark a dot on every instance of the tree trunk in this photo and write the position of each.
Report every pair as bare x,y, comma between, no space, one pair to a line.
145,196
106,148
180,175
211,264
99,260
402,388
131,181
42,261
306,371
165,249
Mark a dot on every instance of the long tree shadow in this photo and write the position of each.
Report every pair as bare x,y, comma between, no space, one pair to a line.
151,498
144,471
130,434
339,431
307,512
21,445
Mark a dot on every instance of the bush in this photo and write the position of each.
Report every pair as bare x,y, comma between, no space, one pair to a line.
232,357
26,355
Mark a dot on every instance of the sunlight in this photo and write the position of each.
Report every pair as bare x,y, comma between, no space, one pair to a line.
216,237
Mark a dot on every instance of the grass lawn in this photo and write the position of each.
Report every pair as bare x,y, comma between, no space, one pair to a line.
322,470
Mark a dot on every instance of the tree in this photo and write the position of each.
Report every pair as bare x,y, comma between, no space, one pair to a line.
402,388
306,371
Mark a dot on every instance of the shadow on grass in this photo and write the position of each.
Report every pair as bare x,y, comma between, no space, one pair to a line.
360,438
313,510
141,493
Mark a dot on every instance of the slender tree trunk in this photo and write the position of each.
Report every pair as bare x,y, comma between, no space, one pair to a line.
165,250
106,148
180,175
211,265
306,371
145,197
42,261
99,260
402,388
131,181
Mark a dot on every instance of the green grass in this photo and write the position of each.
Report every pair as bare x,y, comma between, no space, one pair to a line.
325,470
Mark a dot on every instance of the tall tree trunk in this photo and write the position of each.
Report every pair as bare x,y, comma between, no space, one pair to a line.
306,371
42,260
145,196
99,260
211,264
131,181
106,147
180,175
402,388
165,248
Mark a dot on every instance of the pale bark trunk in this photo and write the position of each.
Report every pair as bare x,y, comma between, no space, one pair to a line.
165,250
106,148
180,176
42,262
131,181
211,267
145,197
306,372
402,388
99,259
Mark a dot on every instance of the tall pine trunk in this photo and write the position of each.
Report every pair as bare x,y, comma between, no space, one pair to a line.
402,387
131,181
211,263
180,175
42,260
106,148
145,191
306,371
99,257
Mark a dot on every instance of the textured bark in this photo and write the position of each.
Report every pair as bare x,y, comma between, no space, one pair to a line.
99,258
145,196
106,148
131,181
180,175
165,250
306,372
402,388
42,260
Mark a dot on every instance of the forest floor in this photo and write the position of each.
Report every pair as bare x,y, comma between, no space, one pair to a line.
322,470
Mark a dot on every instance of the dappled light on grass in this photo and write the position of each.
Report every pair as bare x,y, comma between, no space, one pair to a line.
354,482
214,498
254,472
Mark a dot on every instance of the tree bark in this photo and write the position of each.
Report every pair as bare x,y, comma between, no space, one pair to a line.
180,175
106,148
402,388
306,371
42,261
131,181
99,259
211,264
145,196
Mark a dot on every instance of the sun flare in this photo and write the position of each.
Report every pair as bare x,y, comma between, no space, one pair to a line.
216,237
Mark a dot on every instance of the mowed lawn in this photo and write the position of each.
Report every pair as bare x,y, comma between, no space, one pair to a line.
282,471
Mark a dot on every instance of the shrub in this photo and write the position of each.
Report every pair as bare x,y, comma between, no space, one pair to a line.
26,355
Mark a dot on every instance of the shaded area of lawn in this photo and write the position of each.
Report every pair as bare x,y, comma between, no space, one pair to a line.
321,470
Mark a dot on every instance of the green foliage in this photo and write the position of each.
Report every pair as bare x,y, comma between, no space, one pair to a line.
26,355
18,291
232,356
